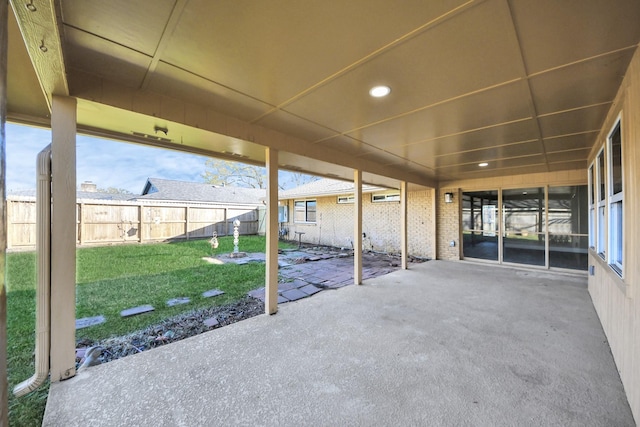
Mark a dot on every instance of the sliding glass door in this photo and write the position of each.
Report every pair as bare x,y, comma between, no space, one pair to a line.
546,227
523,219
480,225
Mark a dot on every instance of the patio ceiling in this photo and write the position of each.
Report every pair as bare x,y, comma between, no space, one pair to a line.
524,86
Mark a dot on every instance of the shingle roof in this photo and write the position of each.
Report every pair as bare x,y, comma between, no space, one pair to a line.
325,187
165,189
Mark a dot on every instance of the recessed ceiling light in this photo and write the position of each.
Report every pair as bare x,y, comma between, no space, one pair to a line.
483,165
379,91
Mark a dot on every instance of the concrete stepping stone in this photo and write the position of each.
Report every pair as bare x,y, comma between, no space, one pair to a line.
211,322
134,311
282,300
294,294
287,286
257,293
212,293
178,301
85,322
309,290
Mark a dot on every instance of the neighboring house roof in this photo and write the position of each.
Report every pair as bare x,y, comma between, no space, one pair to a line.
166,189
325,187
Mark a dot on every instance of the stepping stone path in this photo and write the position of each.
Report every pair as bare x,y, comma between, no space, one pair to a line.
85,322
212,293
178,301
136,310
211,322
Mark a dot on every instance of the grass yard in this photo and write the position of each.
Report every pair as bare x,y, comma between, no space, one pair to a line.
111,279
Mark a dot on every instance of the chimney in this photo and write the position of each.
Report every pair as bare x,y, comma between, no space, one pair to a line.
89,187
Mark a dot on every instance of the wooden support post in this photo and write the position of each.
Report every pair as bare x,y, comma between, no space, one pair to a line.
434,223
63,238
357,227
271,275
403,226
4,386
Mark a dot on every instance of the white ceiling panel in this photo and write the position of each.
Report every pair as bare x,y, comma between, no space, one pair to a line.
554,33
434,74
503,104
137,25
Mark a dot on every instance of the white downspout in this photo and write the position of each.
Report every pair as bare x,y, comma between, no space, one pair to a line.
43,288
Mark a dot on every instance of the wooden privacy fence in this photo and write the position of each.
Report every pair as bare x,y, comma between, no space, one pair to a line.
112,222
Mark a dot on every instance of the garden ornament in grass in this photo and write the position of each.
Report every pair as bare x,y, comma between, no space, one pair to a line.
214,242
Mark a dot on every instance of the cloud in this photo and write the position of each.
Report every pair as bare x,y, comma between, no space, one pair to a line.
106,163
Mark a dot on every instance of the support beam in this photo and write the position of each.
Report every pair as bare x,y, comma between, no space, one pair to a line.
403,226
357,227
63,238
271,275
4,386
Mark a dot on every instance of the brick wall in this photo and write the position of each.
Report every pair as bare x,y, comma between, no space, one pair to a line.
448,224
380,224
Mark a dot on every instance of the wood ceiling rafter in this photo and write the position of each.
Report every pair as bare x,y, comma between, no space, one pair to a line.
39,26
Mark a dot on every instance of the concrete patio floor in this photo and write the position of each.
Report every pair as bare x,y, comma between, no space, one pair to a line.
443,343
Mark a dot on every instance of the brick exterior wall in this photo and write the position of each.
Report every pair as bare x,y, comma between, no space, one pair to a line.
380,224
448,224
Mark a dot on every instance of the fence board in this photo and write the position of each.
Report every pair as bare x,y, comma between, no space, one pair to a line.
112,222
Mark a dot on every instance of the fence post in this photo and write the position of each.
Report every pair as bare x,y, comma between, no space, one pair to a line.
81,225
186,222
226,218
140,222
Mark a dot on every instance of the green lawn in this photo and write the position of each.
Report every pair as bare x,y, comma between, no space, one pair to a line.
111,279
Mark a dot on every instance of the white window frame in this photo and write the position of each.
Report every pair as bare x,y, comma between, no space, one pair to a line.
346,199
389,197
601,213
592,204
615,220
306,211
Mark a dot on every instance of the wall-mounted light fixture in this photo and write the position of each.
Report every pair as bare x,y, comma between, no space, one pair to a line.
448,197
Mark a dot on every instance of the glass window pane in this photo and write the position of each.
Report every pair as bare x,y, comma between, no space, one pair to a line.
601,227
524,249
523,211
523,221
299,211
311,211
568,252
601,192
568,210
616,160
616,234
592,186
480,225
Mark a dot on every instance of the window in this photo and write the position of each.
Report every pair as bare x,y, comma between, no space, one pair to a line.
395,197
305,211
615,195
345,199
592,207
602,204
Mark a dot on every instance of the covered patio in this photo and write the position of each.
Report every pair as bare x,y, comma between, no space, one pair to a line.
443,343
510,97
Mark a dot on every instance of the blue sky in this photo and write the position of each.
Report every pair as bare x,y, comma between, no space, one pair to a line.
105,163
